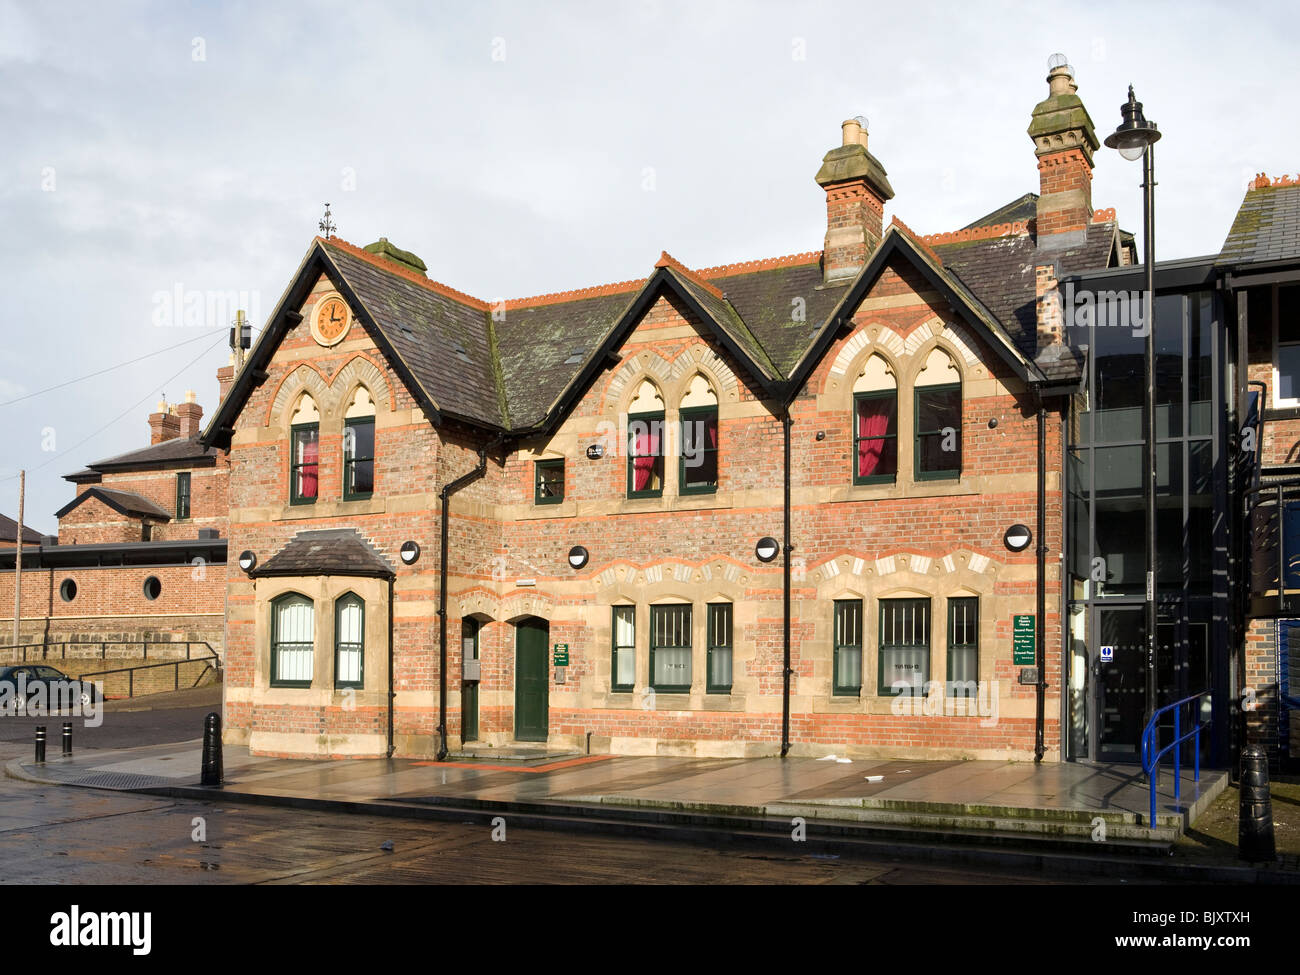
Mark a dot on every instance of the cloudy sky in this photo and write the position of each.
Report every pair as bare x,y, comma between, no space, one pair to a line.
156,150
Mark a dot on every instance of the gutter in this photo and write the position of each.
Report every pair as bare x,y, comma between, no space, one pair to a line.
444,497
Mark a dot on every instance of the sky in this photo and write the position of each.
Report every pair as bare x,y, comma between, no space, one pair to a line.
166,163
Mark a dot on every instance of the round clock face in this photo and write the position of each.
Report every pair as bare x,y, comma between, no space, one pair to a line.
331,320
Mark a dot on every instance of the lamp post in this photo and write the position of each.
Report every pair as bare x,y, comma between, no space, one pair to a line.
1135,139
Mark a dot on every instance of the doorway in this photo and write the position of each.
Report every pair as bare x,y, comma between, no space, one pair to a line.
1120,671
532,679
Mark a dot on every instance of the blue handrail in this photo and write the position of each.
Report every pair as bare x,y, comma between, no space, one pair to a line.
1151,757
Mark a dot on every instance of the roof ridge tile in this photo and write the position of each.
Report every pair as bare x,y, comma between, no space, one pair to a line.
447,291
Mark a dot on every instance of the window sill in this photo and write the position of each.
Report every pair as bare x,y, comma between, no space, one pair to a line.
331,509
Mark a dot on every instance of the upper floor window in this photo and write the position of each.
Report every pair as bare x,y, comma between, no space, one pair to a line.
304,456
1285,314
698,464
875,424
182,495
359,447
548,481
645,437
293,621
938,418
904,646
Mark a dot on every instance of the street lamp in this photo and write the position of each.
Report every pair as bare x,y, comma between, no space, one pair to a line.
1135,139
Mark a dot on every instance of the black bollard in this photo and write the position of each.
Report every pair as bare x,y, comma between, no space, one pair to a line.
67,739
211,750
1255,822
40,744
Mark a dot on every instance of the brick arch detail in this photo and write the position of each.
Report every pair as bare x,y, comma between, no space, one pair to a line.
305,378
361,371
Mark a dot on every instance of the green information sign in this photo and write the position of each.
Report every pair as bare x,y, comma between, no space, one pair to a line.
561,652
1022,640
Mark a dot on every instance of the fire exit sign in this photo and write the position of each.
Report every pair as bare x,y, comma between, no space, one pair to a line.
1022,640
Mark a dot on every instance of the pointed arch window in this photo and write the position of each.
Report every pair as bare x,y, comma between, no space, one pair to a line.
938,419
645,441
359,447
304,452
698,464
875,424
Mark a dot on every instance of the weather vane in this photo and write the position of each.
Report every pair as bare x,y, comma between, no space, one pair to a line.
326,224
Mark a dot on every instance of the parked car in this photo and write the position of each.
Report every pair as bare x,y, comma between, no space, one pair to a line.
57,689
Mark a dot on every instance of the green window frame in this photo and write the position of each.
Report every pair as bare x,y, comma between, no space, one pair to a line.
293,633
349,641
304,463
721,656
548,481
963,646
358,458
847,662
886,470
622,665
702,477
183,496
470,629
904,646
670,648
927,434
650,425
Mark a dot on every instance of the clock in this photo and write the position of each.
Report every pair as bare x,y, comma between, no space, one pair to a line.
330,320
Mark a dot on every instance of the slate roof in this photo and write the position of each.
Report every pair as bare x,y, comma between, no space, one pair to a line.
172,451
9,532
124,502
1000,272
1023,209
326,552
1266,228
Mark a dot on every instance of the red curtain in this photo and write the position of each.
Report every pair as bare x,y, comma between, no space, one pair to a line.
875,416
645,455
307,473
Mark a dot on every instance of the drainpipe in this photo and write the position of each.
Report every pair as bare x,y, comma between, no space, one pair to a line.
1041,651
444,497
786,671
392,694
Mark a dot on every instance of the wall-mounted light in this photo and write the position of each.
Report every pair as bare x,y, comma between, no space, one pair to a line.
993,423
1017,538
578,557
247,560
409,552
767,549
595,451
821,435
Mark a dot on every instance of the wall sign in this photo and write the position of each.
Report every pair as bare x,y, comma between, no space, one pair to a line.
1108,652
1022,640
560,655
595,451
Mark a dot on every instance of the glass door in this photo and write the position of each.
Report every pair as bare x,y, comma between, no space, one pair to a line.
1119,663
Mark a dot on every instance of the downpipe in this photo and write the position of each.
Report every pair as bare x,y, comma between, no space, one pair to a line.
1040,688
786,671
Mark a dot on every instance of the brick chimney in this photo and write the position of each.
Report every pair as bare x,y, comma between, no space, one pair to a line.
1064,142
191,415
226,378
164,424
856,190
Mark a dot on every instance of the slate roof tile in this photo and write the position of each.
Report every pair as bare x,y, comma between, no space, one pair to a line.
323,552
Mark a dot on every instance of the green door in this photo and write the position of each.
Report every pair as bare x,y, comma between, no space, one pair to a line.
532,677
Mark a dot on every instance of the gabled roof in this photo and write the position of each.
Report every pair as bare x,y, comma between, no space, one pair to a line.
9,533
326,552
174,452
1023,209
1267,225
124,502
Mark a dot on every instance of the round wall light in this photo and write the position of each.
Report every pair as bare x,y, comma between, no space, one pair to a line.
1017,538
409,552
247,560
767,549
578,557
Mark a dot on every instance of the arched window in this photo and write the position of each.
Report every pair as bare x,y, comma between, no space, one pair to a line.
938,418
720,647
645,438
875,424
349,640
359,447
698,464
304,455
293,627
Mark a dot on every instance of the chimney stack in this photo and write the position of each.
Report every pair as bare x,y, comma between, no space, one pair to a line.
190,414
856,190
1064,142
164,424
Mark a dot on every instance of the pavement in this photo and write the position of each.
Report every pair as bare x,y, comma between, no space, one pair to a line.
1009,813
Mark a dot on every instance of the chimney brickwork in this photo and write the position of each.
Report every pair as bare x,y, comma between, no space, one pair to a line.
1064,141
856,191
164,424
191,416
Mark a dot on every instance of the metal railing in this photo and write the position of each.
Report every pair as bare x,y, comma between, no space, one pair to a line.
44,649
1151,741
213,663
